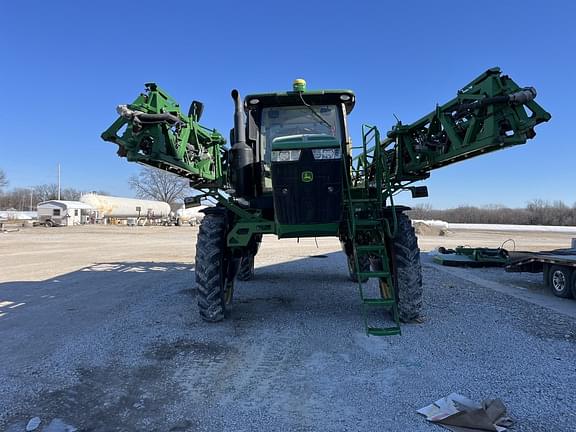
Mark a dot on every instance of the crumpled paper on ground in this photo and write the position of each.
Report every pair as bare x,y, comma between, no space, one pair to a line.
460,414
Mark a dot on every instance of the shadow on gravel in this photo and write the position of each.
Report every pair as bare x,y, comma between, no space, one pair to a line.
16,297
321,271
312,284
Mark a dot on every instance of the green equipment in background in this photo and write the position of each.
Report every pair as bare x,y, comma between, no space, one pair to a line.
292,171
463,256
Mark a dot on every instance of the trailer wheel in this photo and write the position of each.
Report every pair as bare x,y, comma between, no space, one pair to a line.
408,270
561,281
215,286
246,271
48,224
364,262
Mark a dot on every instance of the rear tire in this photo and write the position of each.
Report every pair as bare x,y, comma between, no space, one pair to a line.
246,271
215,288
561,281
48,224
408,270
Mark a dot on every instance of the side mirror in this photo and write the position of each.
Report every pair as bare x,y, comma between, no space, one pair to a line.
193,201
196,110
419,191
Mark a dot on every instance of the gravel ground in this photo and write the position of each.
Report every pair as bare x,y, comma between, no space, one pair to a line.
118,346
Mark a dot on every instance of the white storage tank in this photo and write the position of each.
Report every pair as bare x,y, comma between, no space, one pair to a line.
123,208
192,215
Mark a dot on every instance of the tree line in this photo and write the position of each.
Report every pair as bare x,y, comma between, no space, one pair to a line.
25,199
536,212
149,183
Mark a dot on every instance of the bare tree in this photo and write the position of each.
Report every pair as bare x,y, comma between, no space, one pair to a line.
3,180
28,198
536,212
46,192
17,199
159,185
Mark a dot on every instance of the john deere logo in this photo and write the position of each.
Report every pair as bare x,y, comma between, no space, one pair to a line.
307,176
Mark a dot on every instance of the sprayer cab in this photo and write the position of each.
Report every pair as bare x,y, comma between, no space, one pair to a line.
297,141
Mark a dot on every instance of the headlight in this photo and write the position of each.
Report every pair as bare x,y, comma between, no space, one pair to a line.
285,155
327,153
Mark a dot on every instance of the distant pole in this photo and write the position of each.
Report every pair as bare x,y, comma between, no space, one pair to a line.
31,193
58,181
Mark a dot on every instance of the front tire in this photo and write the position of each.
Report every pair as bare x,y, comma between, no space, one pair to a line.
215,287
408,270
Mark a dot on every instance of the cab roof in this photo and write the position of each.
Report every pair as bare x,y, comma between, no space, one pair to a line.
292,98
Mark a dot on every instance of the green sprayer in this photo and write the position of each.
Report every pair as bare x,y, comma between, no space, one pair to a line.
291,170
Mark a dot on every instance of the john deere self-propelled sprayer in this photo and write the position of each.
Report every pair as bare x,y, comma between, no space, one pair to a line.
291,170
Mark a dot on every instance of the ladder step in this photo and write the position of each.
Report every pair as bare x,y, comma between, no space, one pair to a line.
383,331
379,302
373,274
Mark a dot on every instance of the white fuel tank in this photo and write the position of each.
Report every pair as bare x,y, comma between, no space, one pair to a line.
119,207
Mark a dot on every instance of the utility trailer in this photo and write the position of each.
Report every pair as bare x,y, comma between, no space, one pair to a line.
558,268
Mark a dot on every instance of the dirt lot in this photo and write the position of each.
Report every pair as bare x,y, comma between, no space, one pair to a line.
100,332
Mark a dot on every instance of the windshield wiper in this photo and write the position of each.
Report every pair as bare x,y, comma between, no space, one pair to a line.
318,116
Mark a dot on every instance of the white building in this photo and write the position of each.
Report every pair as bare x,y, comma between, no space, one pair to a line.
63,213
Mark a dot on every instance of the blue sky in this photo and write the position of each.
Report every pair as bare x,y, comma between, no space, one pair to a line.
66,65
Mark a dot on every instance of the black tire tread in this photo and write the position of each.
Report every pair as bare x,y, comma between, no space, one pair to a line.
408,270
210,248
246,271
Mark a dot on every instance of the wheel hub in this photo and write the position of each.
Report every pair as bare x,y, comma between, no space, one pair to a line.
558,281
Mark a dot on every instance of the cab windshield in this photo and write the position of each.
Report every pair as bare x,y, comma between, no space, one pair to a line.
285,121
297,120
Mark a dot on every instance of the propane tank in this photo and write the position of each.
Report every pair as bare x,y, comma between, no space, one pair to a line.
118,207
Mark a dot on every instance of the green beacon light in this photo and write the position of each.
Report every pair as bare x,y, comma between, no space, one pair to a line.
299,85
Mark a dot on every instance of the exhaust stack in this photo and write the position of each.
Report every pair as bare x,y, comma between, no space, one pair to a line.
241,154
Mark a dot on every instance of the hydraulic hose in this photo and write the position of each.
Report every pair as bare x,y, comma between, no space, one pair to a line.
523,96
144,118
157,118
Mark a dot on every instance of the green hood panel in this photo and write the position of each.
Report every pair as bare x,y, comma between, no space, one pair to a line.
304,141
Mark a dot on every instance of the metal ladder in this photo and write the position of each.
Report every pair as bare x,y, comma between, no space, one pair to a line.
368,229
